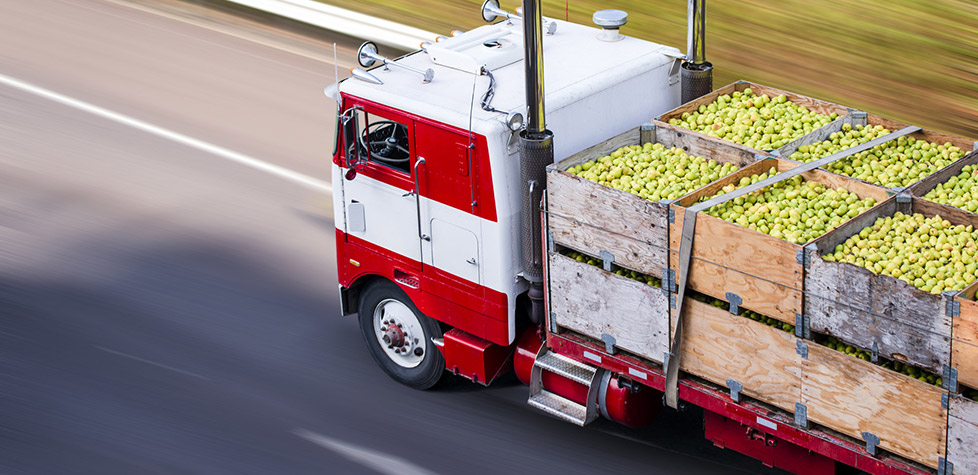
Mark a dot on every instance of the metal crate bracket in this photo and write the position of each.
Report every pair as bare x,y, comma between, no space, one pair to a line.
609,343
949,378
872,441
646,133
801,415
607,259
944,467
803,324
801,348
735,302
735,389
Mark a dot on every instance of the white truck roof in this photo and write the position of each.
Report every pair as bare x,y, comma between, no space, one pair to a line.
578,66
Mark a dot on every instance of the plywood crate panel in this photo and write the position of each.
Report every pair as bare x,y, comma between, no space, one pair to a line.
815,105
853,396
962,432
869,310
594,302
964,338
762,270
718,346
589,217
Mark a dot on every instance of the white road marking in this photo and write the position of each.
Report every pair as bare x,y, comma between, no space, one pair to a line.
381,462
201,145
143,360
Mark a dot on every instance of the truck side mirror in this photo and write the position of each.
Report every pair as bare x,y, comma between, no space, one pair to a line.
351,125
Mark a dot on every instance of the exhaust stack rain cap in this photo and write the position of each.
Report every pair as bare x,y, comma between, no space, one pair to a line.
610,21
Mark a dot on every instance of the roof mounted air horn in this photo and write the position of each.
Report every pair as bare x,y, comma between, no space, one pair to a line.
367,56
491,11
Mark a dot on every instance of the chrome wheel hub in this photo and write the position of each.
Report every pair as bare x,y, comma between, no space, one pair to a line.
399,333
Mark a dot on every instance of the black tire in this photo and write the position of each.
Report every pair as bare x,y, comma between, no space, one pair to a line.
432,365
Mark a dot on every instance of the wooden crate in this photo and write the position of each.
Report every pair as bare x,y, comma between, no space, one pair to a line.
635,314
871,311
764,271
718,346
589,217
924,186
822,134
962,432
964,337
841,392
853,396
816,105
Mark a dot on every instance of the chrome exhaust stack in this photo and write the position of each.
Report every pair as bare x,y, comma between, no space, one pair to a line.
697,72
536,152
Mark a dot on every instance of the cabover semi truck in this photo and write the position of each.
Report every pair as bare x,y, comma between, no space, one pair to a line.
471,241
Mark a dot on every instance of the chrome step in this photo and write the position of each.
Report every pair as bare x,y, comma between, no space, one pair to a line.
566,367
555,404
560,407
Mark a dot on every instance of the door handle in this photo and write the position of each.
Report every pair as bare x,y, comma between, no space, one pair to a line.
417,199
471,260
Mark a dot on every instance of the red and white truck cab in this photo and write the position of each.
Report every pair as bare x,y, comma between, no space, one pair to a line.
430,218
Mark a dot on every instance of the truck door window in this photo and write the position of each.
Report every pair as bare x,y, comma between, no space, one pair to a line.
385,142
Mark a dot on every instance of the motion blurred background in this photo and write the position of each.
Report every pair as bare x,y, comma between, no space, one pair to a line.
169,306
912,60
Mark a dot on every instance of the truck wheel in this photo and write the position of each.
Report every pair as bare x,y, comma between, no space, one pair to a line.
399,336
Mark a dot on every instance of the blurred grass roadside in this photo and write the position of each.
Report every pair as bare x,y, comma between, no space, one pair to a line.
910,60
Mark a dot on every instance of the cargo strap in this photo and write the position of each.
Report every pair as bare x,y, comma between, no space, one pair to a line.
686,244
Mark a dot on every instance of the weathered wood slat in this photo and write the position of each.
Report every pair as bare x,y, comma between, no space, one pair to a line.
964,341
718,346
593,302
853,396
962,432
760,295
726,257
590,218
705,146
867,310
644,257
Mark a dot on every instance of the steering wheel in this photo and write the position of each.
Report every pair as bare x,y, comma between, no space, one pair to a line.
386,141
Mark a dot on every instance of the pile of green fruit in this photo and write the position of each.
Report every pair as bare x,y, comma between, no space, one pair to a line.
903,368
914,372
796,210
652,171
637,276
771,322
897,163
928,253
957,191
755,121
839,345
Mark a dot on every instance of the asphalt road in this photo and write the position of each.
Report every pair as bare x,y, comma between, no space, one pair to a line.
167,306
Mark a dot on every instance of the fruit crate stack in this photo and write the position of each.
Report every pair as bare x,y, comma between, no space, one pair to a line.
870,314
754,117
851,349
611,203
